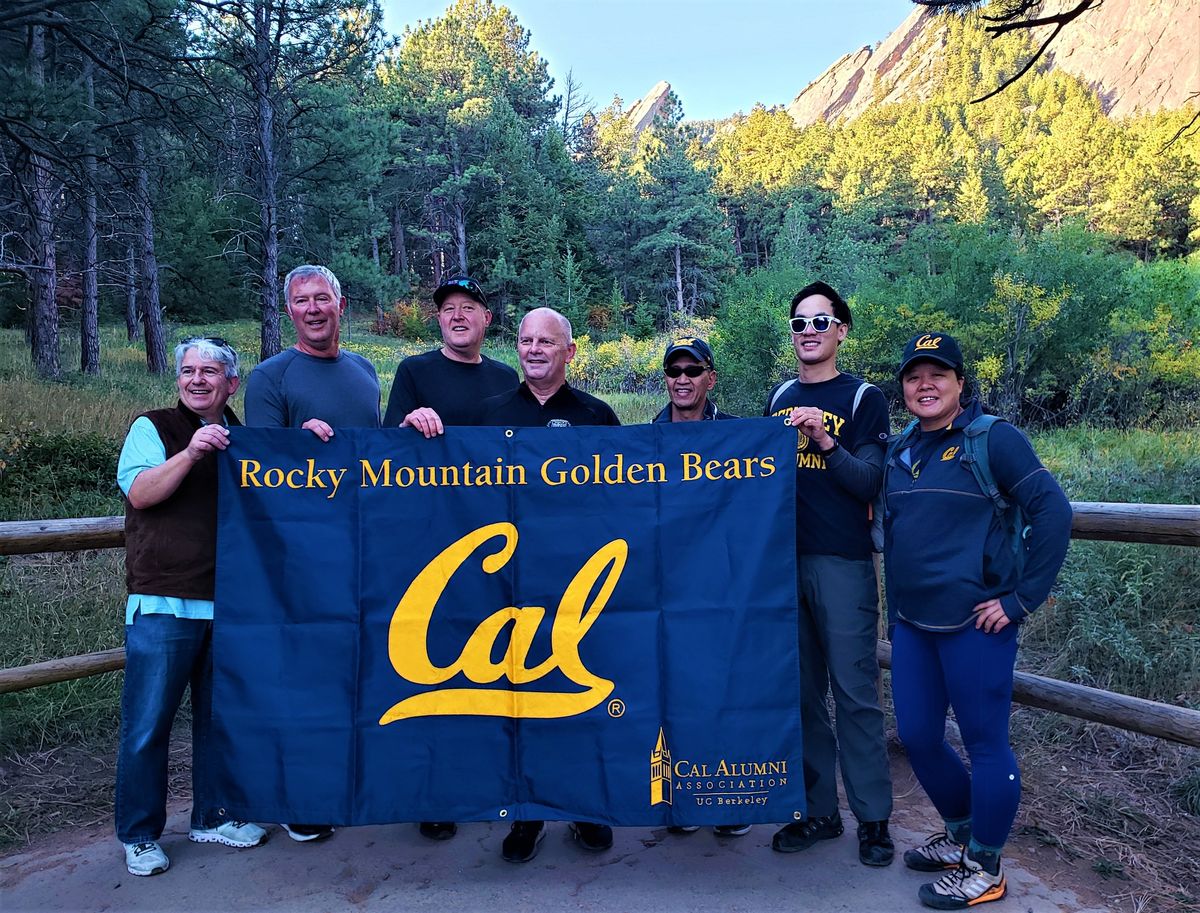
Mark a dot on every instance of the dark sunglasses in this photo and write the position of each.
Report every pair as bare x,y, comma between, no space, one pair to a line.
821,323
215,340
674,371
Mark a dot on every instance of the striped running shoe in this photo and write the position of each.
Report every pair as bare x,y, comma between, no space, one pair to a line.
938,854
965,886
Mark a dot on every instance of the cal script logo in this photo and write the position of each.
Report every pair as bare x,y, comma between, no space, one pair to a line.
928,342
949,453
408,638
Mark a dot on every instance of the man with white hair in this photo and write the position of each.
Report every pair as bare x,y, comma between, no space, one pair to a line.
317,385
168,474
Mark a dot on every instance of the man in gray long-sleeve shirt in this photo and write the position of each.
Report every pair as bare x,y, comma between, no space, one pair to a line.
842,427
317,385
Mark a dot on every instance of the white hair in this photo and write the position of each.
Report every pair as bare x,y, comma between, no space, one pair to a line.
209,349
307,271
563,322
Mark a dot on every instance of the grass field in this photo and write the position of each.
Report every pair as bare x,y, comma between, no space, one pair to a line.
1123,616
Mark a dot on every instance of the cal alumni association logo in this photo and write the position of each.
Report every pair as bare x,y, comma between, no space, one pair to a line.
408,638
706,783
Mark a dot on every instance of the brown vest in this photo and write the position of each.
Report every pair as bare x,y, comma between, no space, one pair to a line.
171,548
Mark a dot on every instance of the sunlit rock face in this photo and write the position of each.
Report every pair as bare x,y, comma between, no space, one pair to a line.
1140,55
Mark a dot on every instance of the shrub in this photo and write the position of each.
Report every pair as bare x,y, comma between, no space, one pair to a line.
57,475
407,319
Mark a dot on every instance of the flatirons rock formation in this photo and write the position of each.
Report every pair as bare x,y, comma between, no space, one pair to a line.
642,114
1139,55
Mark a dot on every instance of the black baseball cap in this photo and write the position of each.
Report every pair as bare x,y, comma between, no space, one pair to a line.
693,345
464,284
940,347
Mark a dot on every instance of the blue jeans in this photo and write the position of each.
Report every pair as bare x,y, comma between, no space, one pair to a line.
163,655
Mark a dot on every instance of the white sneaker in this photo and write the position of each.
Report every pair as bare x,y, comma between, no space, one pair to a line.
145,858
240,834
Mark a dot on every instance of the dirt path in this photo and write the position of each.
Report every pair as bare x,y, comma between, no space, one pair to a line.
393,868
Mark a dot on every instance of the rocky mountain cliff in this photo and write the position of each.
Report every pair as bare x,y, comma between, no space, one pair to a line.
1140,55
642,114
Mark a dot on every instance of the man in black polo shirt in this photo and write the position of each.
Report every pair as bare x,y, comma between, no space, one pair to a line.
445,386
545,348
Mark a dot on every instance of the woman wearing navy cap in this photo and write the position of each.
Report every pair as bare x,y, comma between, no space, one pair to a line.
958,585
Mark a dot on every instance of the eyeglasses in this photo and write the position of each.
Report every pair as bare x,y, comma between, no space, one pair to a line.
215,340
821,323
674,371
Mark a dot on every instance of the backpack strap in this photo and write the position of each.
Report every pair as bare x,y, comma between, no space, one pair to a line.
975,455
899,442
779,391
858,395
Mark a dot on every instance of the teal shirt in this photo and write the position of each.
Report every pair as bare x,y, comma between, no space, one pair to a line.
143,449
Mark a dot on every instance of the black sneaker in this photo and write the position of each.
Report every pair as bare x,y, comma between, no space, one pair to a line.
800,835
522,841
595,838
438,830
875,846
683,828
304,833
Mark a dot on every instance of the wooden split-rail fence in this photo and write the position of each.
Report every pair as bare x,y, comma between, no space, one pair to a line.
1160,524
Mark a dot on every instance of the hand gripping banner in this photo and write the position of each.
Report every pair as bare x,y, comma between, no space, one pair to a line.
508,624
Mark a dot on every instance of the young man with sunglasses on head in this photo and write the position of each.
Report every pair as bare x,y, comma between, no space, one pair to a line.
842,426
690,376
444,387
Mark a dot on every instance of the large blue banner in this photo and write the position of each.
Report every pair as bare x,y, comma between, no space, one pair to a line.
533,623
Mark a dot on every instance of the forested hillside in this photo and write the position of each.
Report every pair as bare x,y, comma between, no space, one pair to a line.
169,160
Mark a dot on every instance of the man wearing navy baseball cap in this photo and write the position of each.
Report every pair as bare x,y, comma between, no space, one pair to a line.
690,376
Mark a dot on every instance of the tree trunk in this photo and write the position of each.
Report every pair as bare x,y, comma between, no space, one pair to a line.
678,282
89,316
436,258
460,236
152,322
399,247
268,182
43,326
133,329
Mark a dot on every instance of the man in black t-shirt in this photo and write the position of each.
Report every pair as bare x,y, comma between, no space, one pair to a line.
843,428
545,399
445,386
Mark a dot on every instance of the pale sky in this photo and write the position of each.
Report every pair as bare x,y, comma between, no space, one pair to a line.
720,56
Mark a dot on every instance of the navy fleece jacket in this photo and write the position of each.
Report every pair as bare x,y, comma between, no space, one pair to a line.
945,548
